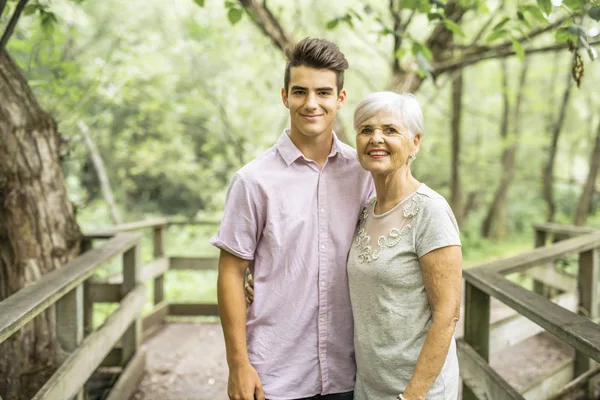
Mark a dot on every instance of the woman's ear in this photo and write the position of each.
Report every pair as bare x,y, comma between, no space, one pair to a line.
416,143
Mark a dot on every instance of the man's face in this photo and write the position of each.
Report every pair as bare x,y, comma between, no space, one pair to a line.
313,101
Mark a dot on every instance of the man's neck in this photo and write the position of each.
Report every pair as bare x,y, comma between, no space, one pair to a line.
316,148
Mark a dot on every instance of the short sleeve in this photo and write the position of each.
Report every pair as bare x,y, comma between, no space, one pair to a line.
436,227
242,222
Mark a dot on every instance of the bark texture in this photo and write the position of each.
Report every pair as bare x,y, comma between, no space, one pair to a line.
38,232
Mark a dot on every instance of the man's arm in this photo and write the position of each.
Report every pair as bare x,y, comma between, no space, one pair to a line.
244,382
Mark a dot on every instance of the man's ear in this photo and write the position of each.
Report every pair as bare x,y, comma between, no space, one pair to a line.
341,98
284,98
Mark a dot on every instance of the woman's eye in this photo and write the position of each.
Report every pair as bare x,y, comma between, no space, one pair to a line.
391,131
365,131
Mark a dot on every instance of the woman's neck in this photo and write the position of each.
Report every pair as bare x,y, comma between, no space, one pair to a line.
393,188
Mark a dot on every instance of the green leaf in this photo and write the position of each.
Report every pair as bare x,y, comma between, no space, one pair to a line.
574,4
501,24
577,30
333,23
400,53
235,15
518,49
545,6
454,28
47,21
497,35
523,20
433,16
562,35
30,9
535,12
199,2
594,13
410,4
420,48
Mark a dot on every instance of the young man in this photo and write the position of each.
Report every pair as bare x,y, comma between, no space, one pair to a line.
290,217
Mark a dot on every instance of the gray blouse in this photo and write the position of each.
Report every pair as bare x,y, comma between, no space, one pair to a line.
390,307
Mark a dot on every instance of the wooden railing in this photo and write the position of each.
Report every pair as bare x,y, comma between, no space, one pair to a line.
579,330
79,355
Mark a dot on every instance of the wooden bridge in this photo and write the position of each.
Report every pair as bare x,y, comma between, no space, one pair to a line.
158,359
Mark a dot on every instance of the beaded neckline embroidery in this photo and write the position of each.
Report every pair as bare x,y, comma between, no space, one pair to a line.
366,252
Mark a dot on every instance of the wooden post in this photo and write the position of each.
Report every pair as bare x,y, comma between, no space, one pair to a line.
131,277
69,326
477,326
159,252
588,283
88,306
539,287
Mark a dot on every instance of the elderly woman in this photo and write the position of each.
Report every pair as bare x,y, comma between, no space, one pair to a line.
404,267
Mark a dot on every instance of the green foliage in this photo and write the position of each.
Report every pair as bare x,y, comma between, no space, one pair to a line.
545,6
594,13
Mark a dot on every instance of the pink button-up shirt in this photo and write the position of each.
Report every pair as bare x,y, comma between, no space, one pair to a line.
295,222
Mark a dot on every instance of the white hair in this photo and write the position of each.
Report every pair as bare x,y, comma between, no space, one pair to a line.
405,104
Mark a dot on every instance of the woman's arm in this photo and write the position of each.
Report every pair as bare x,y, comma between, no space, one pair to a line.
442,274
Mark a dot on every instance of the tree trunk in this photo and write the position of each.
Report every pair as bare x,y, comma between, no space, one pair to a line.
455,187
585,200
496,211
98,163
38,232
548,170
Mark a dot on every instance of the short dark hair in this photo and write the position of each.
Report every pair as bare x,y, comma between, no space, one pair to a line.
319,54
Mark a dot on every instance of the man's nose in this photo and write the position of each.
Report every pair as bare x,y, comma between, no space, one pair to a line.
311,101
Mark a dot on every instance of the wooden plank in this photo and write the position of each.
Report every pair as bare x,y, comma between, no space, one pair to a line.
105,292
182,221
542,255
551,276
575,330
515,329
158,239
589,277
130,378
23,306
575,384
551,383
80,365
113,358
156,317
193,309
149,271
482,381
132,265
193,263
106,233
476,328
563,230
69,323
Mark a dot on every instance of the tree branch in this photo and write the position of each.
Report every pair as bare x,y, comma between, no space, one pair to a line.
267,22
12,23
496,52
2,5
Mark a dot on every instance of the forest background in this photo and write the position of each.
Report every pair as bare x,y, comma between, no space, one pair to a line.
178,95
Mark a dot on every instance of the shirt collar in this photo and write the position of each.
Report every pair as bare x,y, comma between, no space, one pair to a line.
290,153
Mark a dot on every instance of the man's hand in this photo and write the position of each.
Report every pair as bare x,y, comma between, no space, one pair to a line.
249,289
244,383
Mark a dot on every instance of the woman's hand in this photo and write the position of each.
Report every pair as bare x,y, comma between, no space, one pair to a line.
249,289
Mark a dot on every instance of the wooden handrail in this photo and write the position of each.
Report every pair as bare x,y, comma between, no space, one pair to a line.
79,366
563,230
542,255
109,232
575,330
23,306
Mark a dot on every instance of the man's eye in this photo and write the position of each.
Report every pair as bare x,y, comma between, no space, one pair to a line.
324,93
298,92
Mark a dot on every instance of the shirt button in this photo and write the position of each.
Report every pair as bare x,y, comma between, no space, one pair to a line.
323,283
322,355
322,210
322,319
322,247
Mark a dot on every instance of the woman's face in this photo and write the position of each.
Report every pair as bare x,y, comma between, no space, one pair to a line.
384,144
